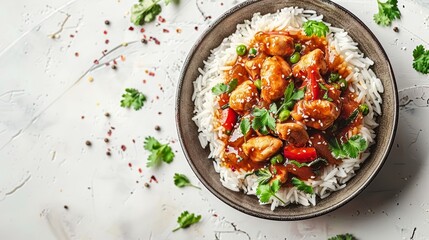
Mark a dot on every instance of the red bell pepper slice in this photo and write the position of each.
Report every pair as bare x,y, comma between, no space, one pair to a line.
312,74
302,155
229,119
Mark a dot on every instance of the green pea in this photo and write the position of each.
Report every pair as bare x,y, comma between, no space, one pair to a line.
343,84
295,57
277,159
298,47
258,83
284,115
364,109
253,52
241,50
334,77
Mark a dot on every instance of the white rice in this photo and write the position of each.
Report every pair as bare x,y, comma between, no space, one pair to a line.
362,81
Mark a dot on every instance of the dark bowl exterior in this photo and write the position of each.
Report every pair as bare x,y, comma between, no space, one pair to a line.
198,157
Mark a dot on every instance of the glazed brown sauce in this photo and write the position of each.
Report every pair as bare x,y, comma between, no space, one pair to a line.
234,157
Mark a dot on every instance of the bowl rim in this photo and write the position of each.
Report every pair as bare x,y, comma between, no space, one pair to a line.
239,207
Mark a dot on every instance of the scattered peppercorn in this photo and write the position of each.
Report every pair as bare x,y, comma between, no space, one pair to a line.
108,153
114,67
106,140
146,185
107,114
66,207
396,29
144,41
107,22
88,143
157,128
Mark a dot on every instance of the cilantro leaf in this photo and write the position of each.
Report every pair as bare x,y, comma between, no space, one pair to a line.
355,145
312,27
346,236
245,126
133,98
264,175
220,88
181,180
263,121
159,152
314,162
171,1
302,186
186,219
421,59
266,191
290,96
387,12
145,11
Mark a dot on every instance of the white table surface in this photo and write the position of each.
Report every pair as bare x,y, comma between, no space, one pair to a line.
45,164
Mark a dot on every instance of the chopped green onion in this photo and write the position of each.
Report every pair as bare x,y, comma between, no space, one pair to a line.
258,83
334,77
277,159
241,50
364,109
295,57
343,84
284,115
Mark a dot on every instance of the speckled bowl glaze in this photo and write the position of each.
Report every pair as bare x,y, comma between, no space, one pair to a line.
197,156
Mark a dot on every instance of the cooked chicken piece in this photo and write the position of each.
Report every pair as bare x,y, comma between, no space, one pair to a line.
238,72
260,149
318,114
313,58
253,66
274,72
294,133
276,44
243,97
322,147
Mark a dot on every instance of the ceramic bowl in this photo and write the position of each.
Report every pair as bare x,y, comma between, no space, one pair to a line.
198,157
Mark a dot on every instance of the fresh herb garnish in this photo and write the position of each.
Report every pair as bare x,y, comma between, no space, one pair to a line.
220,88
263,121
264,175
290,96
421,59
346,236
244,126
302,186
312,27
171,1
268,190
314,162
181,180
159,152
186,219
145,11
355,145
387,12
133,98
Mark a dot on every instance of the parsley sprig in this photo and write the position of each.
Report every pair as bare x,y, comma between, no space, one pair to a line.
355,145
421,59
263,121
159,152
302,186
312,27
346,236
145,11
244,126
220,88
387,12
268,190
186,219
181,180
133,98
